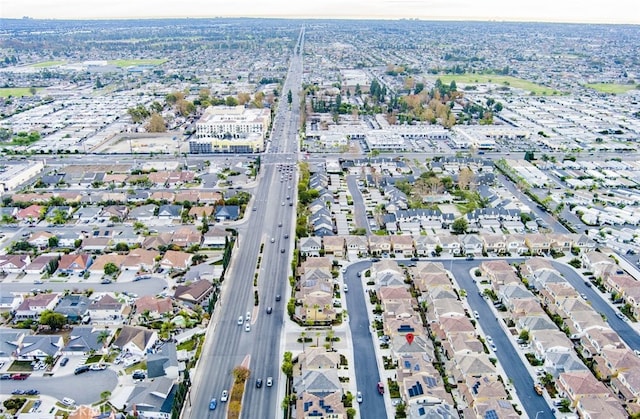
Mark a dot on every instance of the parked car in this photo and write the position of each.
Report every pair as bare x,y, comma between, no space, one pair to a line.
64,361
81,369
19,376
138,375
359,397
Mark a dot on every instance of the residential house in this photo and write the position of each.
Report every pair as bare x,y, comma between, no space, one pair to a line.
310,246
426,245
139,259
379,245
186,236
175,260
143,213
42,263
170,212
471,244
31,213
402,245
87,339
153,307
105,309
494,243
556,363
74,263
32,306
227,213
152,399
135,340
14,263
74,307
164,363
333,245
39,347
216,238
40,239
578,385
196,293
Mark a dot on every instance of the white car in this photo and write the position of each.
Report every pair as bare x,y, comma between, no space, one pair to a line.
489,339
359,397
247,327
247,317
225,396
269,381
240,320
476,314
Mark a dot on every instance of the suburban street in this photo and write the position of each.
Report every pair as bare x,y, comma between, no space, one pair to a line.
366,366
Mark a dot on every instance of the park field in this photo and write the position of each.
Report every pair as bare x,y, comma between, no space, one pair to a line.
128,63
45,64
510,81
612,87
15,91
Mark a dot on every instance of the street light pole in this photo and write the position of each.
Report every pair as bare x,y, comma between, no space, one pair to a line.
538,412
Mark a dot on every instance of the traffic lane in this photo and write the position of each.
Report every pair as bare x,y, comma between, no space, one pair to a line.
366,366
83,388
516,370
623,328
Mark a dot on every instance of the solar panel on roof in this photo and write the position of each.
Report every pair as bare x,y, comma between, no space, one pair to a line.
491,414
431,382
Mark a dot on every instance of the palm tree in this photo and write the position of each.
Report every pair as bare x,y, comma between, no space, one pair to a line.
103,337
330,336
303,336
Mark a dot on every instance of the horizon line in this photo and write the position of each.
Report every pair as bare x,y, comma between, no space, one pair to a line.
316,18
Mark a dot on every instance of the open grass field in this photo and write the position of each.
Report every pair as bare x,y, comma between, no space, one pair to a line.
612,87
45,64
510,81
15,91
127,63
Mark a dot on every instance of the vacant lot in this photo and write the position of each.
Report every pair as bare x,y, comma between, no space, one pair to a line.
44,64
128,63
517,83
15,91
611,87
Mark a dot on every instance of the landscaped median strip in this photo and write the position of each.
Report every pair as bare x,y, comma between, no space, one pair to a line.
241,374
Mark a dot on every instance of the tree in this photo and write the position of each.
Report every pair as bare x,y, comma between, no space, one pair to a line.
241,374
524,335
287,364
105,395
52,319
156,123
53,241
289,97
102,337
231,101
459,225
110,269
465,178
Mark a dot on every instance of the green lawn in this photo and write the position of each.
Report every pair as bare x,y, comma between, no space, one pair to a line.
612,87
127,63
534,88
15,91
44,64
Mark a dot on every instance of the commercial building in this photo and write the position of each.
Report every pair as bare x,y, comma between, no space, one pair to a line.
231,129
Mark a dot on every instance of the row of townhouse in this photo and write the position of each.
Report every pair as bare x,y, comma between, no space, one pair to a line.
141,212
318,384
314,292
470,371
421,385
161,178
70,197
78,263
406,246
554,347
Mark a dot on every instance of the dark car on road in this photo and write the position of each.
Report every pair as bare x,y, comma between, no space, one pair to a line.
259,382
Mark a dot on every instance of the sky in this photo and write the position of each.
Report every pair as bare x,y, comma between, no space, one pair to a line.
583,11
